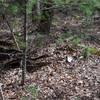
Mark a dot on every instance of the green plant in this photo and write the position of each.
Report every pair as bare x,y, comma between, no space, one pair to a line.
24,98
77,98
59,40
13,8
88,51
30,5
76,40
89,6
62,37
33,90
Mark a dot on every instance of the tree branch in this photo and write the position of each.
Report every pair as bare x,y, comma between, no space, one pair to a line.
14,38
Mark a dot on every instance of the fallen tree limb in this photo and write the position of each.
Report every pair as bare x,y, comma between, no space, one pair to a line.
40,57
14,38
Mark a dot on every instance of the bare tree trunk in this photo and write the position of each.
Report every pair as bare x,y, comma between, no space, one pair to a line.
36,12
24,50
38,7
46,17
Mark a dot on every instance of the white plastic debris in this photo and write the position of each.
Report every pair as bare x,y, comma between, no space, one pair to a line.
69,59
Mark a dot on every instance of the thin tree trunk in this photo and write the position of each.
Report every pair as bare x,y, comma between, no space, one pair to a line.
38,7
36,12
46,17
24,50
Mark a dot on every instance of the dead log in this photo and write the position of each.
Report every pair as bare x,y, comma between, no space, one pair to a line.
36,66
4,56
40,57
5,43
3,50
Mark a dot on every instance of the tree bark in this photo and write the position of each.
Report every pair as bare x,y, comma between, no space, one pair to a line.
23,62
46,17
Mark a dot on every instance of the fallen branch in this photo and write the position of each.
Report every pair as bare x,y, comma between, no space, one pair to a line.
10,51
5,43
39,57
14,38
36,66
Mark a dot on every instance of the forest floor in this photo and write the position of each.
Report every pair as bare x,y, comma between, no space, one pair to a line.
68,76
